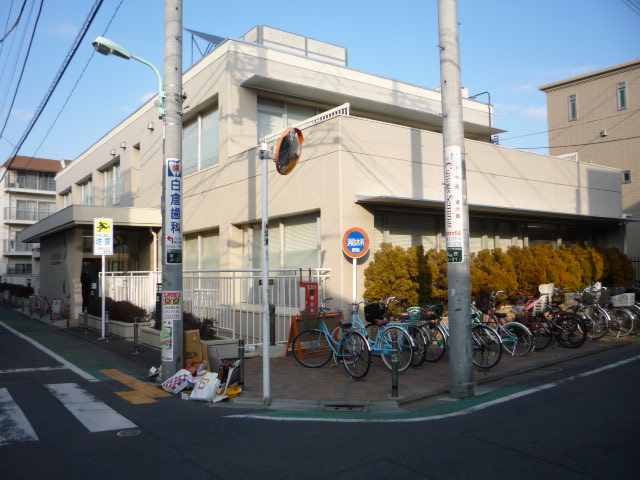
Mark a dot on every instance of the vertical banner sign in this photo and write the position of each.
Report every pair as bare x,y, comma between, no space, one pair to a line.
453,201
102,236
170,312
172,229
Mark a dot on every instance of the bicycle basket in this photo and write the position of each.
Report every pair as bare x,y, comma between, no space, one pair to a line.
374,311
603,299
311,317
589,298
483,304
623,300
414,314
571,299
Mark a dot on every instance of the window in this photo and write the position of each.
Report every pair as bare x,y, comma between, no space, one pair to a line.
66,198
622,95
405,230
573,108
85,193
201,251
626,176
275,115
200,142
112,185
293,243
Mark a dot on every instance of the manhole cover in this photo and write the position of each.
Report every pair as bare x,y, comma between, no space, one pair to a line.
128,433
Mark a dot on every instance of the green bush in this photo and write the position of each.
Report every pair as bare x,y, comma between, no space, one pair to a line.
618,269
491,270
122,310
392,273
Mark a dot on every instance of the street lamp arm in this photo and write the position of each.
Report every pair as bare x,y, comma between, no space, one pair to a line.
161,93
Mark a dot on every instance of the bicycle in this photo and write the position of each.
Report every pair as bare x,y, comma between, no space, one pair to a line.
550,321
387,335
516,338
313,348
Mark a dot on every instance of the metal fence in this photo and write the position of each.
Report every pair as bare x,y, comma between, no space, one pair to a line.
231,299
636,265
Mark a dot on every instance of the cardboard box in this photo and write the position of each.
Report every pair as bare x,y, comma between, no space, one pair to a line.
192,348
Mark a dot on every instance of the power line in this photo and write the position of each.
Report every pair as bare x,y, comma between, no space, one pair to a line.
24,64
626,112
578,144
54,84
17,57
55,120
633,5
8,32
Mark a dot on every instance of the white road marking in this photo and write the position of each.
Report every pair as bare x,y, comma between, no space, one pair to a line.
14,426
63,361
92,413
28,370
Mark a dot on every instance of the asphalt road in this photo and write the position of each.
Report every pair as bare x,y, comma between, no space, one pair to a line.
578,420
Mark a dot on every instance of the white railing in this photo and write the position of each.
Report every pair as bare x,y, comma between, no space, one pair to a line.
334,112
231,299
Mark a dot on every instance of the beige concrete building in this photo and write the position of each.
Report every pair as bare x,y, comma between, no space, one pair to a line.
374,164
595,118
28,195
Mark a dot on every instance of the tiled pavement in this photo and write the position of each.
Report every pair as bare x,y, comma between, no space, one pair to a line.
332,385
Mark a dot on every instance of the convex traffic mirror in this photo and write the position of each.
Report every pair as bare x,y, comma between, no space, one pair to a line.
288,150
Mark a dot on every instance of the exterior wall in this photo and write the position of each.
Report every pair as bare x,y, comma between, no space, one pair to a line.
597,110
61,256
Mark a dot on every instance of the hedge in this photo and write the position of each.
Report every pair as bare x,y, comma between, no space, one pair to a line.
418,277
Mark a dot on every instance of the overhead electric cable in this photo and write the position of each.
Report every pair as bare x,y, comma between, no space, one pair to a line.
7,32
54,84
24,64
6,24
578,144
46,135
15,65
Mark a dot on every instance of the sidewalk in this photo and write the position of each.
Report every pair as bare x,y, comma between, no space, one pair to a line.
330,387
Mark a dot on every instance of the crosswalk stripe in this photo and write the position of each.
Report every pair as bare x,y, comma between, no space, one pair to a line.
14,426
95,415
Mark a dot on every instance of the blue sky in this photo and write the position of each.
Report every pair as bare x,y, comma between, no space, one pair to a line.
508,47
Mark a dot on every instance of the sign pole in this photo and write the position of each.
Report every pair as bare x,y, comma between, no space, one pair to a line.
102,294
456,209
355,245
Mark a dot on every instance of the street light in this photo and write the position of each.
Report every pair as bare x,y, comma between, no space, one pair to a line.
171,202
108,47
473,97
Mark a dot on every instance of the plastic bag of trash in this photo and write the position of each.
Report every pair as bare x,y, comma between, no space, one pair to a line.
205,387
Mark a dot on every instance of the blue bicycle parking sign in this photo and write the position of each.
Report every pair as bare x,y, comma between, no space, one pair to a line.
355,243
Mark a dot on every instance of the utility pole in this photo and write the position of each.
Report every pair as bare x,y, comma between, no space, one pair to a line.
172,324
456,209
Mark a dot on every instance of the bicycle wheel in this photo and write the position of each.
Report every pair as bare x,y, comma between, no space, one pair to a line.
355,354
420,345
491,321
540,330
572,331
624,321
436,343
516,339
486,346
384,345
597,323
311,348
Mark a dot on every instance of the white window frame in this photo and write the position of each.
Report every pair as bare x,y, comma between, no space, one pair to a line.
572,100
198,121
111,184
86,192
621,96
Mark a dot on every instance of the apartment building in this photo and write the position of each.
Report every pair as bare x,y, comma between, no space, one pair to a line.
371,158
28,196
595,118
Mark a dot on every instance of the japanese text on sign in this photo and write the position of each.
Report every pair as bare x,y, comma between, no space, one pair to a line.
102,236
172,226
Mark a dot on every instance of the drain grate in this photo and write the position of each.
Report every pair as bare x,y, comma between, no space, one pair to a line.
344,408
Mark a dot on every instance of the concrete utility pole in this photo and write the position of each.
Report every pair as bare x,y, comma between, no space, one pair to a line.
172,325
456,209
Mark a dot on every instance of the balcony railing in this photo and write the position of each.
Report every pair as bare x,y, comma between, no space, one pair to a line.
19,269
14,246
47,184
28,215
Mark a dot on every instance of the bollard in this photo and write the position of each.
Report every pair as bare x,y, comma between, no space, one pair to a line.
272,324
241,358
394,368
158,304
84,320
135,336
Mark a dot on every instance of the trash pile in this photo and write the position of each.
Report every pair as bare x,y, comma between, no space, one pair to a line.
195,381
